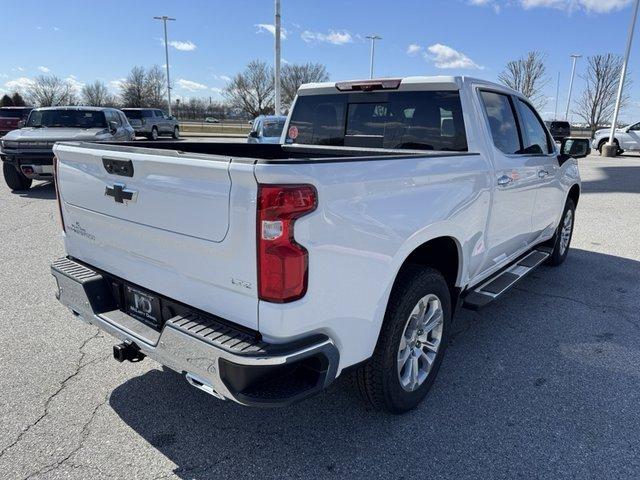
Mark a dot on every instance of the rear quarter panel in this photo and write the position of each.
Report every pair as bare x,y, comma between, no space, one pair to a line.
371,215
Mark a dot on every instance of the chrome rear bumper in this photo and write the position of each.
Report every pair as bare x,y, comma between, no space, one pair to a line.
215,356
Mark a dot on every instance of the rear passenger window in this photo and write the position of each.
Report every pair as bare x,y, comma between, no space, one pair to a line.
426,120
502,122
147,113
535,136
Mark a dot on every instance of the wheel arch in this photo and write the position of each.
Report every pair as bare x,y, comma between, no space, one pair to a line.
574,194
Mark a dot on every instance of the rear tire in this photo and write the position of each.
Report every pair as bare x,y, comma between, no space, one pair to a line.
15,179
561,240
154,134
406,345
615,142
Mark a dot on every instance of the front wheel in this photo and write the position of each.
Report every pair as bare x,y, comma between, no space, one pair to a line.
562,238
411,344
15,180
176,133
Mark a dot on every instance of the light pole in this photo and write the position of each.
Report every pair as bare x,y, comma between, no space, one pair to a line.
623,74
278,109
555,114
573,73
373,39
164,19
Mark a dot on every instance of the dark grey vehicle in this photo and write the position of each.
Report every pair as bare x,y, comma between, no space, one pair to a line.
27,153
151,122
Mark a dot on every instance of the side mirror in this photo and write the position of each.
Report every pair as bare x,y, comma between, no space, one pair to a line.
253,134
113,126
575,147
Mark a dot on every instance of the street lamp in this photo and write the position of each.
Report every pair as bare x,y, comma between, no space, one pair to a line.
164,19
573,73
623,74
373,39
278,109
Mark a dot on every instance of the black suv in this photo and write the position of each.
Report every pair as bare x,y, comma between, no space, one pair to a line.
559,130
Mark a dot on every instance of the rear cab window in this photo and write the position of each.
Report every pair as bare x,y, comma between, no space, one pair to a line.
420,120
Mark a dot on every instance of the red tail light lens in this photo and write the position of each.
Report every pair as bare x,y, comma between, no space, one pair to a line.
282,263
55,183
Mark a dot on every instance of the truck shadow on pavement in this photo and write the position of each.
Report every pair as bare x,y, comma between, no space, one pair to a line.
621,179
40,191
526,390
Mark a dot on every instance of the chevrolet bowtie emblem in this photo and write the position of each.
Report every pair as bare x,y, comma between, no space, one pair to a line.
120,194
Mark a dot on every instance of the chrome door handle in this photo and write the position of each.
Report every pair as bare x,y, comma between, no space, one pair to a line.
542,173
505,180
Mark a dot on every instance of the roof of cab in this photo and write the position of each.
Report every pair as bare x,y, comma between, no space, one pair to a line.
77,107
414,83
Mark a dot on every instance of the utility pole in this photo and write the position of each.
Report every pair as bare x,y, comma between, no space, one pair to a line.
164,19
555,115
373,39
278,108
623,75
573,73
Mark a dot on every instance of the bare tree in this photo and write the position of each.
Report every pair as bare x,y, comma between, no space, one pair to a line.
133,89
527,75
252,90
597,102
156,88
50,91
97,95
294,75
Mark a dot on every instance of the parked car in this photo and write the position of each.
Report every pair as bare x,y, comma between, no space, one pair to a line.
151,122
267,129
27,153
559,130
12,117
211,120
375,220
627,138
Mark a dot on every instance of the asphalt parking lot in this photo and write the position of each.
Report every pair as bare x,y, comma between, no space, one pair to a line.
545,383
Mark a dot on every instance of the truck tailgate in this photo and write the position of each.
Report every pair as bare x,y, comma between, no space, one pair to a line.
161,220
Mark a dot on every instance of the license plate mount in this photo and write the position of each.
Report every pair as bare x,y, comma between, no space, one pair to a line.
143,306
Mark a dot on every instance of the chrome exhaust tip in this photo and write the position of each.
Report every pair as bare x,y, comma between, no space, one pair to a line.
202,385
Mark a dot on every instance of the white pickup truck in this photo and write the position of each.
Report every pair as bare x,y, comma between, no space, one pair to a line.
262,272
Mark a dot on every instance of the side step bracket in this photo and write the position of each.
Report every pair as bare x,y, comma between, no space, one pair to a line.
492,288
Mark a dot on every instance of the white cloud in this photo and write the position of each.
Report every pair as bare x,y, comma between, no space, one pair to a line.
117,83
19,84
446,57
76,85
44,69
217,90
413,49
591,6
333,37
224,78
183,46
270,28
56,29
190,85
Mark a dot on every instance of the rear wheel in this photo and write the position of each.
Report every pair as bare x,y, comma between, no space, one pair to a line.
562,238
615,142
411,344
154,134
15,179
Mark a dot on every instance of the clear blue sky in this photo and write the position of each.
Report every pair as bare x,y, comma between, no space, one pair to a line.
84,41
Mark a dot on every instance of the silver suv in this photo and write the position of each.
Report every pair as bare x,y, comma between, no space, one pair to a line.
151,122
27,153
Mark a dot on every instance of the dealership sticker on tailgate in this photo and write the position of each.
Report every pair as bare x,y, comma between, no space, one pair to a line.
143,306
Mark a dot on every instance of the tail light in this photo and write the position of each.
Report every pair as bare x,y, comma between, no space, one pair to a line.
282,263
55,183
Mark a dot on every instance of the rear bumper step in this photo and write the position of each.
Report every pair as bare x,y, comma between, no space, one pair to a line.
490,289
216,357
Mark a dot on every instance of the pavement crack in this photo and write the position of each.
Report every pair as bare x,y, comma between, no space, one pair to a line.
625,313
78,368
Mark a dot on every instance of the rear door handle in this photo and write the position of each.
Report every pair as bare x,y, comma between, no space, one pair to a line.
504,180
542,173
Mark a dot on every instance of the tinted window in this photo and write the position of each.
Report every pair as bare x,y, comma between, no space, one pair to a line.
14,112
136,114
67,118
430,120
159,113
502,122
635,127
534,133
